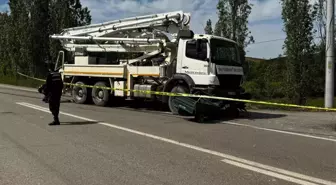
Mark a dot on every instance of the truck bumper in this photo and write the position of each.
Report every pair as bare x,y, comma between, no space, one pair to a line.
235,94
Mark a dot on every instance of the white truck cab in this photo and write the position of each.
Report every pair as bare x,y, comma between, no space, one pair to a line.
206,58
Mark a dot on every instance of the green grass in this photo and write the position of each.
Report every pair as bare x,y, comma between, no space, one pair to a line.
19,81
318,102
315,102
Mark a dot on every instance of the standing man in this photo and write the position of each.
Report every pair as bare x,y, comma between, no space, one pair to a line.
53,90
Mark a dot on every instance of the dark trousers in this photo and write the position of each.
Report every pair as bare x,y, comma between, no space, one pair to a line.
54,106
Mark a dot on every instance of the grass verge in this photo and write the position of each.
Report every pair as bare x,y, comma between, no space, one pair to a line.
316,102
19,81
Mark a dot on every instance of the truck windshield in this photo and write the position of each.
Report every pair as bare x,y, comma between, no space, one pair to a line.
224,52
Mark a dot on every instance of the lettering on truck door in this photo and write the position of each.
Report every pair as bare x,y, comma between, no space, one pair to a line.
195,63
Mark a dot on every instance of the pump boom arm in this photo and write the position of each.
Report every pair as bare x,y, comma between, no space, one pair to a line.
148,34
132,27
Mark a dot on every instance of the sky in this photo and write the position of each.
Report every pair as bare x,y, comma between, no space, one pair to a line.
265,21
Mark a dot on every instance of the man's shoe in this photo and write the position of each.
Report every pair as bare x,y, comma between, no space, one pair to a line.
54,123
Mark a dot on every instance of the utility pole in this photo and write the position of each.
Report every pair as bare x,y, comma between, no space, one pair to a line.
329,75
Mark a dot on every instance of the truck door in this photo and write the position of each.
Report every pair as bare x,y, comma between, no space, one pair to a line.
195,60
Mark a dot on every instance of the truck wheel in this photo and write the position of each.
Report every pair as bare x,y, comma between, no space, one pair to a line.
177,89
100,96
80,94
233,112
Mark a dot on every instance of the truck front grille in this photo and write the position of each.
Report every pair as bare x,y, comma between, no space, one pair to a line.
231,82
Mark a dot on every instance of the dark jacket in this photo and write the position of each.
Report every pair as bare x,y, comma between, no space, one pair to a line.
54,85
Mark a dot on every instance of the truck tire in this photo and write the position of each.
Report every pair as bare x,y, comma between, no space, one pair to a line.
233,112
100,96
80,94
176,89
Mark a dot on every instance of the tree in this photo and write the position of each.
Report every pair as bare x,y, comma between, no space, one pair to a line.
65,14
19,35
232,21
5,65
208,27
28,28
40,30
298,25
320,16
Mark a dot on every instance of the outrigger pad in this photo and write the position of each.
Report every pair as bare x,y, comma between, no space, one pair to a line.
185,104
201,108
205,108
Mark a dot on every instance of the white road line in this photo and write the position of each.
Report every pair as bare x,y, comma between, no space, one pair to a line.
222,155
275,170
280,131
266,172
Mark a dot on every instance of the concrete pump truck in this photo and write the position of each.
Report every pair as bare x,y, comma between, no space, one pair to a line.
155,52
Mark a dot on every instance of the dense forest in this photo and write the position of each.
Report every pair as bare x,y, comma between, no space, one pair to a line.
298,75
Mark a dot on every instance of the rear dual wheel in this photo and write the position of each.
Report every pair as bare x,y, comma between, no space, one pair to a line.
99,95
80,93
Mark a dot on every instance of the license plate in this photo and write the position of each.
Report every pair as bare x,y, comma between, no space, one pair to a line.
232,93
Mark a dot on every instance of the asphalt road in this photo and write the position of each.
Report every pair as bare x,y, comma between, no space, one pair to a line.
117,145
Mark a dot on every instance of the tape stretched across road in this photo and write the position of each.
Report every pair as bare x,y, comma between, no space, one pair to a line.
193,95
38,79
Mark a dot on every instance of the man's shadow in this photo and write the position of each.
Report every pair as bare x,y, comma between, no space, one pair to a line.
78,123
249,115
